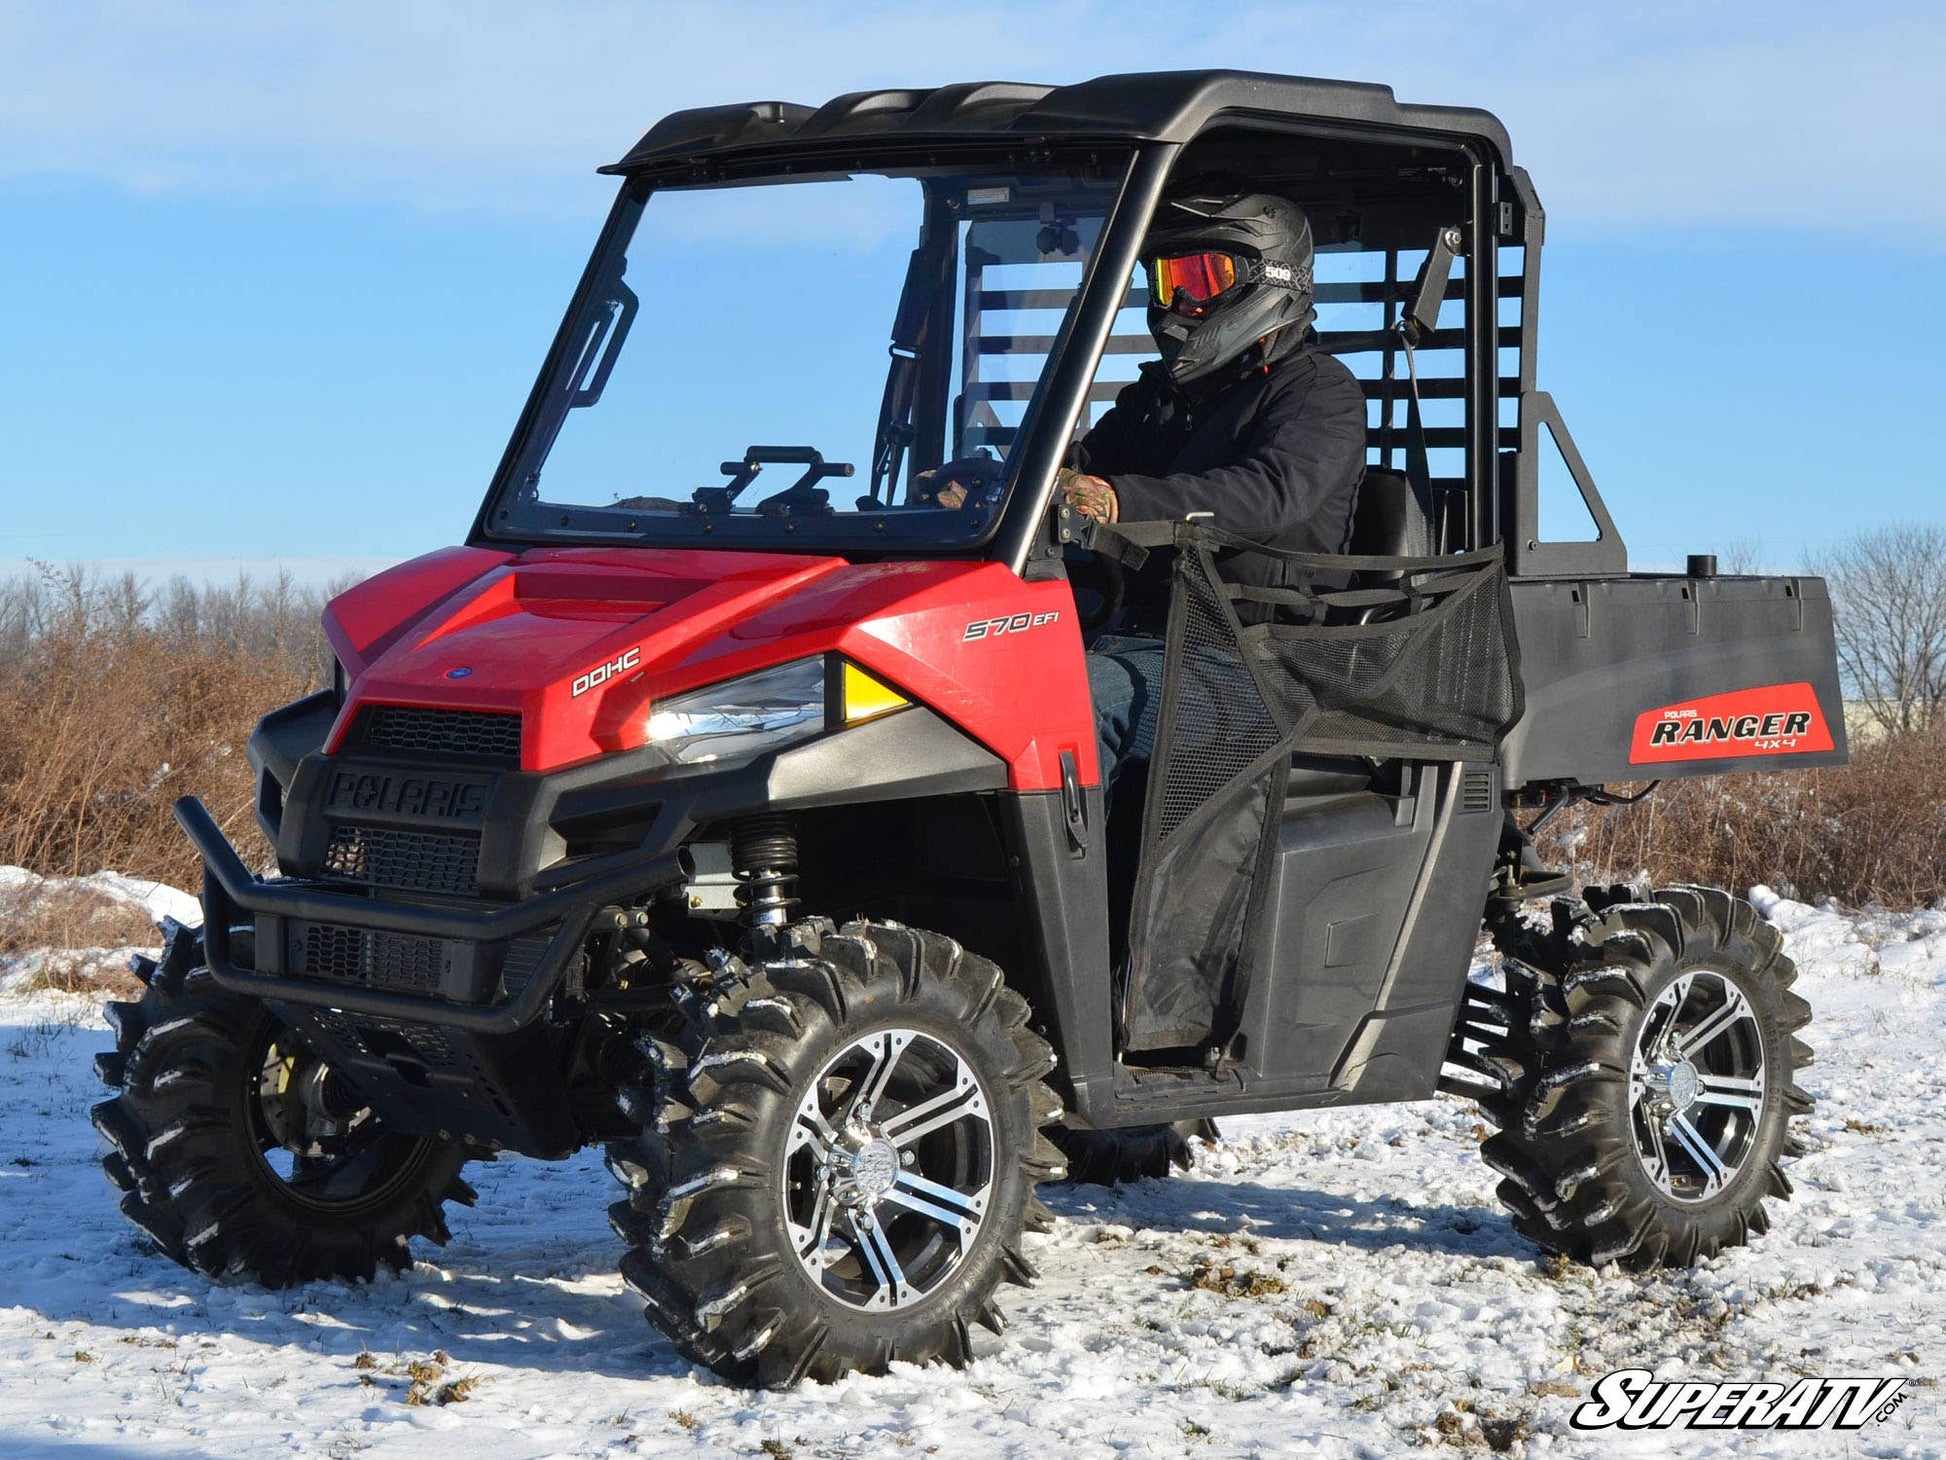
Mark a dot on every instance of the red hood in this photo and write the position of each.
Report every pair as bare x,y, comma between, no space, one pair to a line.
578,640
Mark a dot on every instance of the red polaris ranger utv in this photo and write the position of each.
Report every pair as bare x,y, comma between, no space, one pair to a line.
740,811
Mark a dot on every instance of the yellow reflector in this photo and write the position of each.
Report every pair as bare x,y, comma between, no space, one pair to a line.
865,698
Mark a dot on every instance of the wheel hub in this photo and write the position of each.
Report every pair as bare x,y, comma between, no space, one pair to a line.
871,1170
1674,1086
1696,1086
304,1107
888,1168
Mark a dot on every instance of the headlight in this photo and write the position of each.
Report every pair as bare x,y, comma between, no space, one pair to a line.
740,717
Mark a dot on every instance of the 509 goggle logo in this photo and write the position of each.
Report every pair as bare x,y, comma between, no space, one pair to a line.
1634,1399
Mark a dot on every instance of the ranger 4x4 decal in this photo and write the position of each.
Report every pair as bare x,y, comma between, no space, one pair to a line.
1777,719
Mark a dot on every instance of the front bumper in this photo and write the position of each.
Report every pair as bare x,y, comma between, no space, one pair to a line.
473,992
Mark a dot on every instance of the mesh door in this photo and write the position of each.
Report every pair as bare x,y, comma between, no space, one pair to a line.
1415,659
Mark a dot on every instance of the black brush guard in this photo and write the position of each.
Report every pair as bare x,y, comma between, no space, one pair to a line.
230,889
466,1055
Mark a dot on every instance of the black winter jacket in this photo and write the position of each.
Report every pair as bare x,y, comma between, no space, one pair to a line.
1274,452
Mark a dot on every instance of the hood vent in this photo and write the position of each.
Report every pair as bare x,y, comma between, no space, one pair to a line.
479,736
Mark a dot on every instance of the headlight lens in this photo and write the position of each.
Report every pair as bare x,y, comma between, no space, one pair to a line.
741,717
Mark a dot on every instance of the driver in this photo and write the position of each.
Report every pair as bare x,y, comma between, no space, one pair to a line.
1242,418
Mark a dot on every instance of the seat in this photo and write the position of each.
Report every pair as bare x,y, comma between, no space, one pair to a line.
1388,519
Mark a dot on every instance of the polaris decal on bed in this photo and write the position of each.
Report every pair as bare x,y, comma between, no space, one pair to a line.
602,673
1777,719
988,628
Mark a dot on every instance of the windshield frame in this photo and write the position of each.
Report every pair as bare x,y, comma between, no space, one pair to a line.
849,534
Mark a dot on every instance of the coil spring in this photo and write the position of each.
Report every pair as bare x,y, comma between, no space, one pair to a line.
763,850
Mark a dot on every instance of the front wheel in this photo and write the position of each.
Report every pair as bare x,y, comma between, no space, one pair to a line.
1645,1052
241,1154
836,1159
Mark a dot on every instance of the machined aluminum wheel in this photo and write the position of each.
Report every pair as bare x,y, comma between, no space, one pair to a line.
1696,1086
835,1157
888,1169
1640,1064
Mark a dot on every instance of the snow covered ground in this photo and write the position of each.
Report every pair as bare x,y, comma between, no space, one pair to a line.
1338,1284
23,890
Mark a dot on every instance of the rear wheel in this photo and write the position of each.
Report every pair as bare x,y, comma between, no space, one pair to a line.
1130,1153
241,1154
1642,1059
836,1159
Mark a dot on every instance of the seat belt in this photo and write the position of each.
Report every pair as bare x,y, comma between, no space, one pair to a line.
1419,322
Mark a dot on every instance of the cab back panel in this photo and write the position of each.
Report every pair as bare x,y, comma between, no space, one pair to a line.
1646,678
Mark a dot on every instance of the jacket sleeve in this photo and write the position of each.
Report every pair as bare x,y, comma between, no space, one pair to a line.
1297,464
1105,447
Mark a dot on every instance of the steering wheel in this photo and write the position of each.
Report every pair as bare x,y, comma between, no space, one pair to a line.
974,475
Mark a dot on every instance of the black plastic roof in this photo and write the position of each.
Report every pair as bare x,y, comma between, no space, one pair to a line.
1163,106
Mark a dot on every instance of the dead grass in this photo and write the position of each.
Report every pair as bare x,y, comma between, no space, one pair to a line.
116,699
1873,832
62,915
75,926
1234,1282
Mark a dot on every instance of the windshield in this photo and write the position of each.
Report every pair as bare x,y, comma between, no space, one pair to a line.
806,361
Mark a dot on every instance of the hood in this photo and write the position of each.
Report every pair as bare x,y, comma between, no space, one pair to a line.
578,640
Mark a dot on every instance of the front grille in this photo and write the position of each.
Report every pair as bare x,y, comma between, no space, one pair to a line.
407,861
476,735
384,960
523,960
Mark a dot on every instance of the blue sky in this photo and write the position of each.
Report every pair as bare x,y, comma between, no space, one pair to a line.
276,279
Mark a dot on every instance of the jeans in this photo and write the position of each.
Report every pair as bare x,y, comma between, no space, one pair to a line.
1125,682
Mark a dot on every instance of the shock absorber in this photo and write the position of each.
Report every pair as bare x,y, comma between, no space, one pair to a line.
763,850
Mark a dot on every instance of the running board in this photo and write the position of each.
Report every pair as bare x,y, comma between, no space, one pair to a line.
1160,1096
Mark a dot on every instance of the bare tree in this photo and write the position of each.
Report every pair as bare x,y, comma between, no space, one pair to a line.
1745,557
1888,594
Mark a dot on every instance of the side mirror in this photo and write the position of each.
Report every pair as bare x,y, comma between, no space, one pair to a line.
1423,318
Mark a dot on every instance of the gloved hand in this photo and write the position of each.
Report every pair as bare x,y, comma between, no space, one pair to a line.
1090,496
950,484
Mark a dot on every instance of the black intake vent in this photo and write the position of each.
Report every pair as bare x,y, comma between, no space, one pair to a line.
523,960
406,861
384,960
1476,790
488,737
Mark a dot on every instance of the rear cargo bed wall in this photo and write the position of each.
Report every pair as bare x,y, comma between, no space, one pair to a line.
1596,654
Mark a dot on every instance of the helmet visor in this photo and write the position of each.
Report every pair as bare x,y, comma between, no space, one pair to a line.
1201,276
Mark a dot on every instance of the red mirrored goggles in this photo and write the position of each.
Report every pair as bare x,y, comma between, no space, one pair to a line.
1200,276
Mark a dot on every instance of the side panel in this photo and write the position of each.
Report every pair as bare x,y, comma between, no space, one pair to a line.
1340,882
1606,660
1062,892
1358,998
1401,1045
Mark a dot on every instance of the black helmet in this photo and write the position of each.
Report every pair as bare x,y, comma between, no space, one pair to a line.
1226,269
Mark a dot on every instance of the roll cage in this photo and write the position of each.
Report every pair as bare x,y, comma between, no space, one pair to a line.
1383,182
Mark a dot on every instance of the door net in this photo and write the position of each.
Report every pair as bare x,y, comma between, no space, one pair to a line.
1377,658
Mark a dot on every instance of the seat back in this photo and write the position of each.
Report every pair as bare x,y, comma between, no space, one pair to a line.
1388,519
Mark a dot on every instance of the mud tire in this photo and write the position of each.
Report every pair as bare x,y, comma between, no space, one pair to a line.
704,1220
1547,1060
180,1149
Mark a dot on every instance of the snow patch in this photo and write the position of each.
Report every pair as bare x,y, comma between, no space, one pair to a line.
1337,1283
